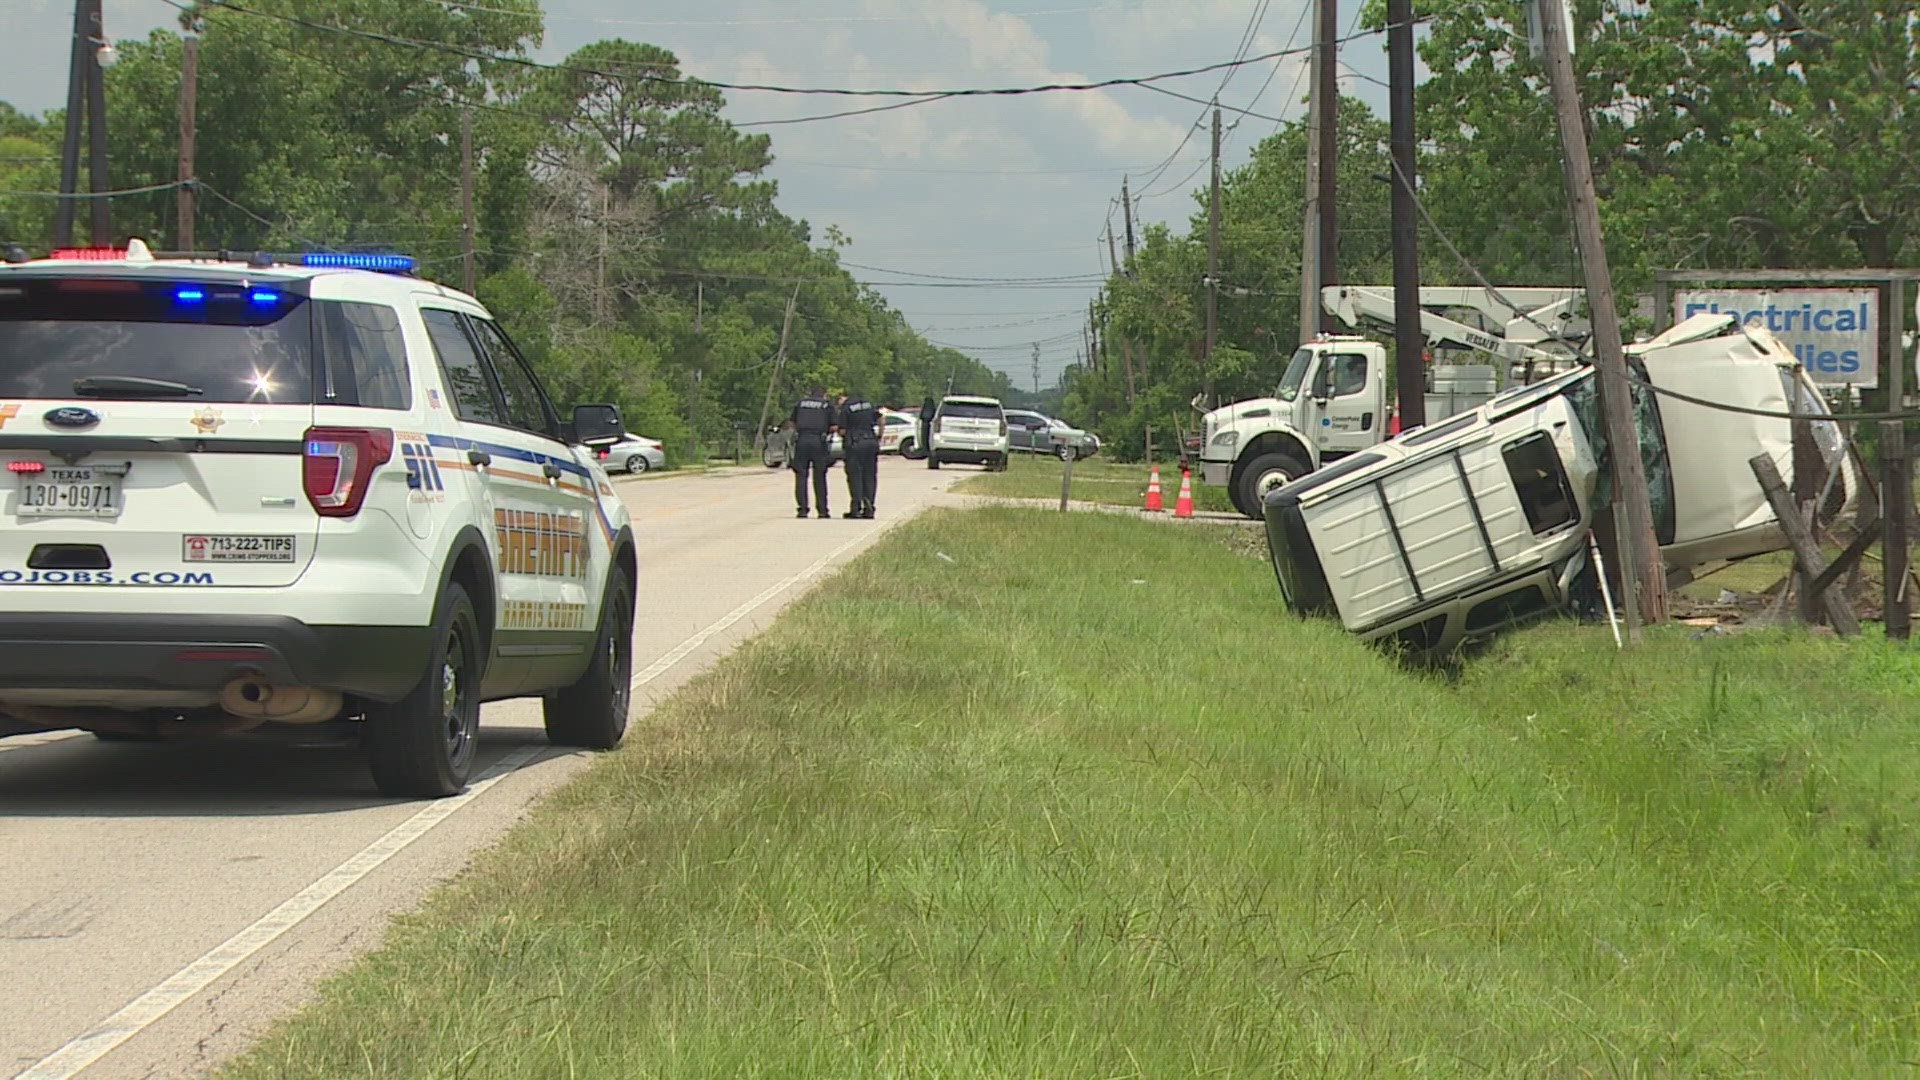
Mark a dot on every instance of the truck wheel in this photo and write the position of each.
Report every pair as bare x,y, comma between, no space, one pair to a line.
1263,474
592,713
423,745
933,462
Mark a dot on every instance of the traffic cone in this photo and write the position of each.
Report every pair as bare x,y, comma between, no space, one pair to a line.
1154,506
1183,507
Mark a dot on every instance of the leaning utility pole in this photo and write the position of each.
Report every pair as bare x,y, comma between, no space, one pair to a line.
1213,265
102,226
1126,207
1643,582
466,201
779,361
1326,105
189,90
86,102
1409,344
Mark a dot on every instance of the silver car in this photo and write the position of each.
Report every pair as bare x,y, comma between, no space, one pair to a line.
634,454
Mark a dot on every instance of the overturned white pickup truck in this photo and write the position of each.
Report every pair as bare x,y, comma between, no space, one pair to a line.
1451,532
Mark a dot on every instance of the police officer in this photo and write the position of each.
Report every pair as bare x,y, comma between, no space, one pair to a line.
812,427
860,434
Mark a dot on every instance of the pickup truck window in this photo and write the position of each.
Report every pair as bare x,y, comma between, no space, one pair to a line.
1546,495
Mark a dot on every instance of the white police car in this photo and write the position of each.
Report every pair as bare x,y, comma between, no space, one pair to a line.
296,490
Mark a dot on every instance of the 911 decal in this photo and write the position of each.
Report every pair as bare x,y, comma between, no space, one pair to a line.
423,472
542,544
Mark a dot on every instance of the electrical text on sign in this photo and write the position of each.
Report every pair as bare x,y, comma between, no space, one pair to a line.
1834,333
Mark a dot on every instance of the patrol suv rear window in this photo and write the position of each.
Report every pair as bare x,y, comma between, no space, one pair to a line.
968,408
159,339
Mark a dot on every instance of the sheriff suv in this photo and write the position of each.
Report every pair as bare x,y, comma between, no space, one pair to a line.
296,490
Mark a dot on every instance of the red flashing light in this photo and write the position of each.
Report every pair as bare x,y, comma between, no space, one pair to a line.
26,467
88,254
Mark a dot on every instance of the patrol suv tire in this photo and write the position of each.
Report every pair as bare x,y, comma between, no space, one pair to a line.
1259,477
423,746
592,713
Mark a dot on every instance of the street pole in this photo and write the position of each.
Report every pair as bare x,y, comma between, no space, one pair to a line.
102,225
1126,208
1642,576
1408,342
189,91
1310,210
70,143
1213,264
466,201
779,361
1326,106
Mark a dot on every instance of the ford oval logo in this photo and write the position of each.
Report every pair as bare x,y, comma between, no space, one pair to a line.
72,416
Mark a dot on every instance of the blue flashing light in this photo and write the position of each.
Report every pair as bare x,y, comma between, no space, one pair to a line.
189,296
264,297
358,261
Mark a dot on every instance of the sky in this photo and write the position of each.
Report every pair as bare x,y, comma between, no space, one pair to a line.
992,188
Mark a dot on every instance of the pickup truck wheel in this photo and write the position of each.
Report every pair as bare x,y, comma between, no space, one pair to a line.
1263,474
423,745
592,713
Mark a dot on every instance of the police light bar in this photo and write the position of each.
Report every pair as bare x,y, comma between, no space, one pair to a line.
388,264
88,254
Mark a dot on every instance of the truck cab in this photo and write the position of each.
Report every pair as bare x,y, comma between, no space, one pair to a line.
1331,402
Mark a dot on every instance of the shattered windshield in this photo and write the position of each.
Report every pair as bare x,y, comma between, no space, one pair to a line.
1585,399
1295,375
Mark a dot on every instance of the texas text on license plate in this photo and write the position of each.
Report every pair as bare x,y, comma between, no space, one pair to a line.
69,491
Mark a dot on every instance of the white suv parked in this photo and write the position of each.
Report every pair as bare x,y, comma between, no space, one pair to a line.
296,491
970,429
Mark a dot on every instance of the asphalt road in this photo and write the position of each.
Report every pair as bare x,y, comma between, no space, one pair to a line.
160,906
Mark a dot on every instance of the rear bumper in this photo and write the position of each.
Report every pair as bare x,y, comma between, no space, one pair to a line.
199,652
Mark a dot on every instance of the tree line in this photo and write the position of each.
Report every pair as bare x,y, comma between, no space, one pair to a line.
626,233
1724,135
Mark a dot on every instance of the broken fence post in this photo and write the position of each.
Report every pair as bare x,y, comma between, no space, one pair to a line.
1811,564
1896,497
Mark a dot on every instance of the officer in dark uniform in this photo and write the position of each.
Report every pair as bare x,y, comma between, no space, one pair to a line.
812,427
860,434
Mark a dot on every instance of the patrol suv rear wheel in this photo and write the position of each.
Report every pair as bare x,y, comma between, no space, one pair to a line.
592,713
423,745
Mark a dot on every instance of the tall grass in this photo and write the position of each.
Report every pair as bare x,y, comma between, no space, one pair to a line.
1081,800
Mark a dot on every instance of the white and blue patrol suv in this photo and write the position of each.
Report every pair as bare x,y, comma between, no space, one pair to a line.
286,490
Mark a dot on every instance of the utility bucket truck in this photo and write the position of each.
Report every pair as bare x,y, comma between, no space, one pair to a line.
1452,531
1332,399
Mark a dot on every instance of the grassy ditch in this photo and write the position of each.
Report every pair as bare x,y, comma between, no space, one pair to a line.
1100,808
1033,476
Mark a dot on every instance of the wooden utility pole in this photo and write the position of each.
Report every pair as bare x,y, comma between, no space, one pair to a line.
97,181
1642,576
189,91
466,201
1213,265
1326,109
1896,483
70,142
1409,344
600,267
779,361
1126,209
1113,257
1310,216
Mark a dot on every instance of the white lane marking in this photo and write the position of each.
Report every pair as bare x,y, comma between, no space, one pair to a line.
142,1012
679,652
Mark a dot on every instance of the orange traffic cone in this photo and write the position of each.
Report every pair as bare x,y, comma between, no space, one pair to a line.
1154,506
1183,506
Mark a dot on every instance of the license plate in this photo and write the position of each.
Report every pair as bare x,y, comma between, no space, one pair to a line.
267,549
69,491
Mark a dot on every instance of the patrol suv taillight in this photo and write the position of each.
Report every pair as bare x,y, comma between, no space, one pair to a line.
337,466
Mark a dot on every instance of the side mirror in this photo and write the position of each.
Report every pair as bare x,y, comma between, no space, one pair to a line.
597,425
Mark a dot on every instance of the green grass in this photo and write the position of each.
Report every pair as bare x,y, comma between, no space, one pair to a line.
1033,476
1100,808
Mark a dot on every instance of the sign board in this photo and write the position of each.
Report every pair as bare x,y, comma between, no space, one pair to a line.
1835,333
